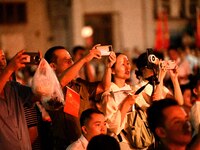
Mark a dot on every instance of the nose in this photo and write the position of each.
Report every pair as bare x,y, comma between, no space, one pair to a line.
187,125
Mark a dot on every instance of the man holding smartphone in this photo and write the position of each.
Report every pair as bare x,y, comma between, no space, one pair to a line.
66,128
14,132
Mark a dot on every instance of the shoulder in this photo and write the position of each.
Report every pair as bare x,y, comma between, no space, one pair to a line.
80,144
74,146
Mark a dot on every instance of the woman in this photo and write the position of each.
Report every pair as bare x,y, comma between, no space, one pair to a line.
151,77
118,102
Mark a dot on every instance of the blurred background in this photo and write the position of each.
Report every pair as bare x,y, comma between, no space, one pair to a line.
130,26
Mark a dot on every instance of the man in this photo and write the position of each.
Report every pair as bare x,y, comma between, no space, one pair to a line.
170,125
92,123
65,127
13,128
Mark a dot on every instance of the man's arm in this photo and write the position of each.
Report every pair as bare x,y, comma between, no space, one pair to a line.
15,63
71,73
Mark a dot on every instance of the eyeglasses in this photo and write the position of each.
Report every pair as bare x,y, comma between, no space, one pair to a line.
69,61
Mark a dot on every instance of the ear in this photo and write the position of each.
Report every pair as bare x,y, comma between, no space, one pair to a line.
84,130
113,72
53,66
195,91
160,132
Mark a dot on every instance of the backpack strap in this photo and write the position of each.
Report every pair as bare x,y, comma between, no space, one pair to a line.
136,112
120,137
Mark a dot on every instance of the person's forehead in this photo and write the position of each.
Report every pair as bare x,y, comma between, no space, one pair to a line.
122,57
174,112
62,53
96,117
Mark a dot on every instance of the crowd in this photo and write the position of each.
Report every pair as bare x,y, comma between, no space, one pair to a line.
158,110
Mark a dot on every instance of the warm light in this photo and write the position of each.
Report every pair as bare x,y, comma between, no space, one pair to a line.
87,31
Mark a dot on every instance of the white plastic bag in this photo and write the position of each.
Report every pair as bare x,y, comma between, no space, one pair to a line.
46,84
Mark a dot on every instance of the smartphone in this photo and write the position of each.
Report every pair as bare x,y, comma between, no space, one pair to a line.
168,64
33,58
105,49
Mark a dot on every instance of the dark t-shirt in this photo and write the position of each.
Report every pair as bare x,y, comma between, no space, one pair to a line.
13,128
65,128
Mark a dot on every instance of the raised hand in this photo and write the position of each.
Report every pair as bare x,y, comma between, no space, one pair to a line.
17,61
111,59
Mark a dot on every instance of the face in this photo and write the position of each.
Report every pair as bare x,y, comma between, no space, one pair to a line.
79,54
187,94
122,67
173,54
146,72
63,61
177,126
3,62
95,126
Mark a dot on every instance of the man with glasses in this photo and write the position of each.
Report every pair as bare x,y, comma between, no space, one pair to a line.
65,127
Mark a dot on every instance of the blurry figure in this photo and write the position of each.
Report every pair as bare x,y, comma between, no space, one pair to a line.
87,72
183,64
191,58
195,110
187,97
103,142
92,123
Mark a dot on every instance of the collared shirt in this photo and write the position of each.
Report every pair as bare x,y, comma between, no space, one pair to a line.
148,90
110,106
13,128
80,144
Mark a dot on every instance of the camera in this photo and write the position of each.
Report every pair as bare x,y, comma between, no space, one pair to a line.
33,58
105,50
153,60
169,64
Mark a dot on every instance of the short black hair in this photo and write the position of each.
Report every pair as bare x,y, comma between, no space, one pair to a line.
50,56
86,115
155,116
76,48
103,142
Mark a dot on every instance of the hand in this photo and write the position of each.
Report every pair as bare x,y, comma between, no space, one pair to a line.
174,73
111,59
94,53
130,99
17,61
162,73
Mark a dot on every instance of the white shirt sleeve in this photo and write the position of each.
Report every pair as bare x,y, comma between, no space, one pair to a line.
112,113
195,116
